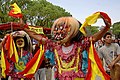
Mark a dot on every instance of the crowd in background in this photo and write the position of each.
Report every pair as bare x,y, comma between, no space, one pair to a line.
100,43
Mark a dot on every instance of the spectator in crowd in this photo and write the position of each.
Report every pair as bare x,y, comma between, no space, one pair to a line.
99,44
111,53
116,40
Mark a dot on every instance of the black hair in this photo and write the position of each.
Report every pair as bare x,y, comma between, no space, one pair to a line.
107,33
79,34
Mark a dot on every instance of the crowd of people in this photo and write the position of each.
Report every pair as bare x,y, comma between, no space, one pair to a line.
63,51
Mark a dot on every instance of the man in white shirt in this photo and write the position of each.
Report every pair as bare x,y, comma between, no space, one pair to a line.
110,52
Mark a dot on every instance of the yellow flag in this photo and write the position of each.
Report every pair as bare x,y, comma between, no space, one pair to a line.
3,66
36,29
95,67
11,47
16,8
12,50
89,21
15,52
33,69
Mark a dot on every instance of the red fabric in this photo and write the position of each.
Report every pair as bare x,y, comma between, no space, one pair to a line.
7,26
7,65
89,74
16,26
7,45
31,75
106,19
105,16
19,15
8,48
25,26
100,66
31,63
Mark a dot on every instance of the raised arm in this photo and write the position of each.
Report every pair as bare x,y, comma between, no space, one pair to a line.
31,33
100,34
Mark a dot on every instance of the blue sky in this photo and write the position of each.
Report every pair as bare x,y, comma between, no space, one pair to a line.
80,9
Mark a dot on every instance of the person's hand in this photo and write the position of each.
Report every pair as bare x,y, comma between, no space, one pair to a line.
111,65
44,40
22,24
106,19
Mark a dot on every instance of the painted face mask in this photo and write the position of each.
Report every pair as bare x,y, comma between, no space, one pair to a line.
60,31
64,29
20,43
22,39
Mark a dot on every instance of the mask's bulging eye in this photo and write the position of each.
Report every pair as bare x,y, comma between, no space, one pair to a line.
56,29
61,27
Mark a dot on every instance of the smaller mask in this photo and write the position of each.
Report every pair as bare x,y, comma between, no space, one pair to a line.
20,42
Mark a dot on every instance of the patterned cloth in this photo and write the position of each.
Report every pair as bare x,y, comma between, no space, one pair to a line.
15,68
71,58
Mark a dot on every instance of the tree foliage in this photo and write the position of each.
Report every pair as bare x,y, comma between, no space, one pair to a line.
36,12
116,29
91,30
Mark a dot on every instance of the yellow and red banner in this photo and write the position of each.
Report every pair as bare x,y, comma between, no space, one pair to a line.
11,48
5,64
95,67
11,54
93,19
33,65
15,12
38,30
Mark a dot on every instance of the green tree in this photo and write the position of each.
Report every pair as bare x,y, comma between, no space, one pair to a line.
116,29
36,12
91,30
43,13
5,8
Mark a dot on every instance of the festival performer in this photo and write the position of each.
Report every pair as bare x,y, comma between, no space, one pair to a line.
70,47
17,51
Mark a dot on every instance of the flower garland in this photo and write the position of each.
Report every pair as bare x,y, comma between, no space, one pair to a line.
67,66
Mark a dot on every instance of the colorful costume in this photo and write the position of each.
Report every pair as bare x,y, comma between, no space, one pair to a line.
20,66
23,47
69,64
71,48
